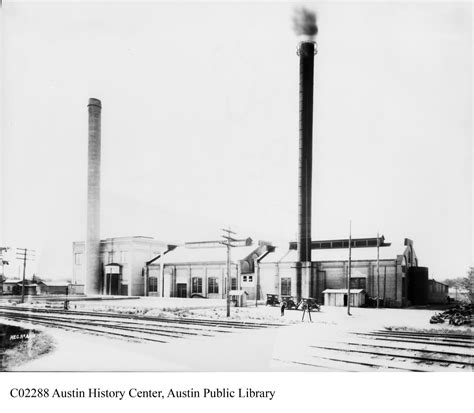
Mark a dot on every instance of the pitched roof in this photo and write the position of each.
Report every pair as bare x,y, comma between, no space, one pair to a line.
55,283
181,255
283,254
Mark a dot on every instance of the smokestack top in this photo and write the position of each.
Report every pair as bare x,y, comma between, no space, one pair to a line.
95,102
307,48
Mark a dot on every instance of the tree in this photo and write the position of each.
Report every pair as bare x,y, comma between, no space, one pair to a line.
467,284
453,282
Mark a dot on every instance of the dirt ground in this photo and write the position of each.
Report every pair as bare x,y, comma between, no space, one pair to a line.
269,349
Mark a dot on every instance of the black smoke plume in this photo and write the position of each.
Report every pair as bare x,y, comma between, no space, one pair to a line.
304,22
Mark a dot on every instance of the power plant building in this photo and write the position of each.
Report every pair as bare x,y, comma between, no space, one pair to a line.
143,266
329,270
121,263
200,269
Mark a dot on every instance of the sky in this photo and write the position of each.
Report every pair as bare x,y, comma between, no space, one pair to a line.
200,124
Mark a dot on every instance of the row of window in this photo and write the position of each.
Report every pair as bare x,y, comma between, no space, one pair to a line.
196,285
213,285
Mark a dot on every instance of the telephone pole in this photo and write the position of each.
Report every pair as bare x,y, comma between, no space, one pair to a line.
3,262
22,254
349,272
378,272
228,243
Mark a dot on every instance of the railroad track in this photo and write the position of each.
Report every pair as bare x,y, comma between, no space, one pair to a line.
194,321
451,336
131,327
396,352
416,339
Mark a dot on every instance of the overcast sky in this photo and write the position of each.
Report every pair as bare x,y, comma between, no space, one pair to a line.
200,124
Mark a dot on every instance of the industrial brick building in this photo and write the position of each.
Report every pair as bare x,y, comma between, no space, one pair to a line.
143,266
329,270
122,260
200,269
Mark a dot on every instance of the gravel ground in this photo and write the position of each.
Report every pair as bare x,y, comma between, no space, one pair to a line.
256,350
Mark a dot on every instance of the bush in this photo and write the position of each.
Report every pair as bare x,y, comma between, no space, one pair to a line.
38,345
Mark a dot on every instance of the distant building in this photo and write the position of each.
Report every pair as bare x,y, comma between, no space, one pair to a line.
54,287
437,292
122,261
10,286
200,269
14,287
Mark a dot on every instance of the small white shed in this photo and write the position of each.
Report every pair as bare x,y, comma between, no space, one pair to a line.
239,297
338,297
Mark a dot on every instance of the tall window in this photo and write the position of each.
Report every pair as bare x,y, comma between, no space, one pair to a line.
196,285
153,285
358,282
286,286
123,256
233,284
213,287
78,258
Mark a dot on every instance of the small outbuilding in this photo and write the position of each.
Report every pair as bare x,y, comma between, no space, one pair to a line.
15,287
338,297
10,287
239,297
54,287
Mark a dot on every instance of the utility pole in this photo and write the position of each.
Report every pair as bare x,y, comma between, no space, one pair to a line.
349,272
257,280
3,262
22,254
228,243
378,272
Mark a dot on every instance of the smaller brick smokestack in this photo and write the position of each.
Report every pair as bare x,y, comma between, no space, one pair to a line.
93,270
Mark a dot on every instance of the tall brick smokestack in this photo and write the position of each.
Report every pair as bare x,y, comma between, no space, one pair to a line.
92,280
305,25
305,170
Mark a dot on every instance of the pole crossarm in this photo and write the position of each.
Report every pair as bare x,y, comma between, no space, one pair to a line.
230,242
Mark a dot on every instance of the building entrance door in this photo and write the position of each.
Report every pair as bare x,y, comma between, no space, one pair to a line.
318,285
345,300
112,284
182,290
